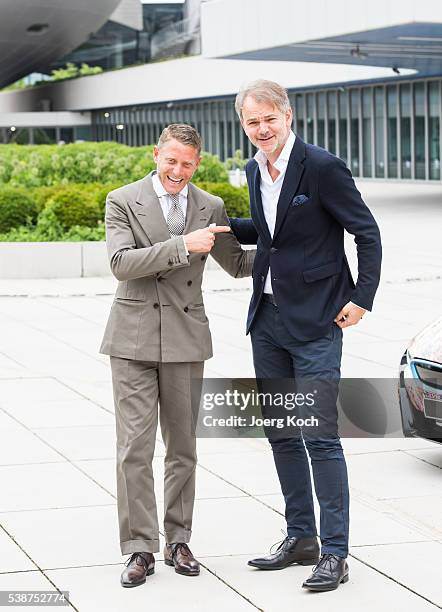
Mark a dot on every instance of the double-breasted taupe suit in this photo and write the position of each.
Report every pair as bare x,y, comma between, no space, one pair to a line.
158,337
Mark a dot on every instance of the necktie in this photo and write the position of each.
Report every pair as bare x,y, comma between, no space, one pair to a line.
175,216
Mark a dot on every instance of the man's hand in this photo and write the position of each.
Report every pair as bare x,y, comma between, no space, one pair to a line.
202,240
349,315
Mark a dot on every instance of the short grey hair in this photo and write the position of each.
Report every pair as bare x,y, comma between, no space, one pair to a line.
263,91
186,134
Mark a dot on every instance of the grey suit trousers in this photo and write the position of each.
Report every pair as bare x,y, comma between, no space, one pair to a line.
139,386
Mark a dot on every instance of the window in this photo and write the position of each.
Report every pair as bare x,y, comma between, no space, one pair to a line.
310,117
392,141
419,130
405,107
299,114
321,119
434,129
343,152
366,130
379,132
331,121
354,131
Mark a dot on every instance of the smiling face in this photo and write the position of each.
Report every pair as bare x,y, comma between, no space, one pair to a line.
176,164
266,126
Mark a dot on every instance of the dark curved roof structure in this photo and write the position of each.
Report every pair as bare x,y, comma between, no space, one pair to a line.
34,33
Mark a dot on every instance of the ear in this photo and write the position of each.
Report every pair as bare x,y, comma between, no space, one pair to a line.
156,152
198,162
289,116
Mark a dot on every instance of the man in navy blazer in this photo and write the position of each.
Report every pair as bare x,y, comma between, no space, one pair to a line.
302,199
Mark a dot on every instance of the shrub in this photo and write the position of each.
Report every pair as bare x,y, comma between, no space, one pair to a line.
211,170
33,166
71,71
16,208
49,231
80,233
236,199
19,234
73,206
41,195
100,195
49,228
237,161
91,162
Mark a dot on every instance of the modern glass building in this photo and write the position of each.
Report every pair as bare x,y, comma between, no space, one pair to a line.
116,45
381,130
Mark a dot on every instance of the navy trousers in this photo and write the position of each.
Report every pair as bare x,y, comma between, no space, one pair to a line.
277,355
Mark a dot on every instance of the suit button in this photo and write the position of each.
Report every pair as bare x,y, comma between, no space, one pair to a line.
156,305
186,309
262,277
203,257
273,250
189,283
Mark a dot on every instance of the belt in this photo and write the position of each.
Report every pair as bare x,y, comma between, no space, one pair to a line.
268,297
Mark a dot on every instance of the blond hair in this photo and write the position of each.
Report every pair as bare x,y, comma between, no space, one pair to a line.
186,134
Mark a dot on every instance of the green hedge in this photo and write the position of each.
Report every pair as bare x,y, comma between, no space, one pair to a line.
16,208
76,211
73,206
236,199
103,162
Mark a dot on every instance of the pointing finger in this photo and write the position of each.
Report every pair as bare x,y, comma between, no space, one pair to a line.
218,229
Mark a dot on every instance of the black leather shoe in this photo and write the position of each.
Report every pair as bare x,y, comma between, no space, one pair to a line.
137,568
303,551
181,558
328,574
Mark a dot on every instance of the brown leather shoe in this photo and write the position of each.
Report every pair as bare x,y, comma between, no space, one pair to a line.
137,568
180,556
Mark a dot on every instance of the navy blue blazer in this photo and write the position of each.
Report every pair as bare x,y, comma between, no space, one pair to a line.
311,278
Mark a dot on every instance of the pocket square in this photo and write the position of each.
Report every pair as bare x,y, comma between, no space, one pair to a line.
299,199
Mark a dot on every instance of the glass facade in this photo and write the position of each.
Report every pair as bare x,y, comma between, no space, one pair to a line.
380,131
392,131
434,130
405,129
116,45
385,131
343,125
44,135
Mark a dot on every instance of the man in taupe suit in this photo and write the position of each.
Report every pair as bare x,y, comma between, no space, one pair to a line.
159,231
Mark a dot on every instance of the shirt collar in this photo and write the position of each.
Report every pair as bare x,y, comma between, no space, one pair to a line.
159,187
284,156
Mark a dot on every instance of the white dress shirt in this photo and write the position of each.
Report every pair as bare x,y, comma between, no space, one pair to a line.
270,190
166,201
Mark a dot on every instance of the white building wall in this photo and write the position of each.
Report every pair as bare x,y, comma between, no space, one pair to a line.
235,26
182,79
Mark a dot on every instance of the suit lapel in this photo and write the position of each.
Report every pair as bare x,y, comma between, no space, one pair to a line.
292,178
256,202
197,210
148,211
